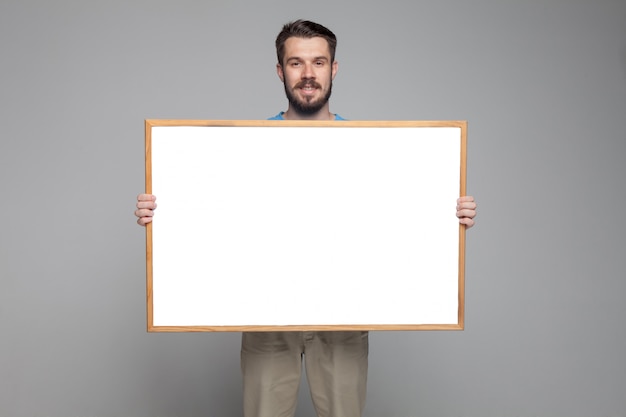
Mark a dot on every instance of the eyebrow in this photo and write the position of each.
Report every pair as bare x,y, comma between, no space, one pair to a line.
317,58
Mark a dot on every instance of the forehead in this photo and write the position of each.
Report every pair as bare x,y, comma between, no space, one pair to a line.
306,48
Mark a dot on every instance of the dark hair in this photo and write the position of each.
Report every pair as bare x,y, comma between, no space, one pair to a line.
304,29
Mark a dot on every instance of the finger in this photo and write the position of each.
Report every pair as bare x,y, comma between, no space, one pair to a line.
467,222
142,221
464,199
146,197
466,213
146,205
470,205
144,213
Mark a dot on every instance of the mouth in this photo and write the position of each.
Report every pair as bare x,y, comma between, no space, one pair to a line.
308,91
308,88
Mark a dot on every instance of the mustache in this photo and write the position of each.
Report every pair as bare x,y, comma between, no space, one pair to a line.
308,83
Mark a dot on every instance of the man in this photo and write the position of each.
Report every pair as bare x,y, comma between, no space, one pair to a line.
336,362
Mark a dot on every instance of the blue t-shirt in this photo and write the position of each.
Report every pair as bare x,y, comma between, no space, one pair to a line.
279,116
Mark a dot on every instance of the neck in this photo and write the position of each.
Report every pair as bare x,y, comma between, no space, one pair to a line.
322,114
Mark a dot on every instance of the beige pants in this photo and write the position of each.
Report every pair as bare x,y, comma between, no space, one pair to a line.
336,369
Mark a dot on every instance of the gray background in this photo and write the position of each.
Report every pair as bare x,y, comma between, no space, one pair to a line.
542,84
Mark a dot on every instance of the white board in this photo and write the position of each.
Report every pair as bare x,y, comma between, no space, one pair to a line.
274,225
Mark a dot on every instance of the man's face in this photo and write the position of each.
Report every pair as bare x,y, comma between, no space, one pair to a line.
307,73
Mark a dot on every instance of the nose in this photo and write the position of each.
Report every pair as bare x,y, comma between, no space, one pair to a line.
307,72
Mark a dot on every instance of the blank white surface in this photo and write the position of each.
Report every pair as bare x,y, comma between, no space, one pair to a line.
305,226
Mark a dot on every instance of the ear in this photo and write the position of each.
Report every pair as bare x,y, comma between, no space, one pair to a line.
334,69
279,71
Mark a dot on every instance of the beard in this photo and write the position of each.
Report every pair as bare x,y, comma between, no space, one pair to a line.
311,106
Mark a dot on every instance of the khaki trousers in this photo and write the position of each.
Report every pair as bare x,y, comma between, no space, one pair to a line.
336,369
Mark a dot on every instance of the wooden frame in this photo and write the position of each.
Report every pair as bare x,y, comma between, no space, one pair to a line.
240,240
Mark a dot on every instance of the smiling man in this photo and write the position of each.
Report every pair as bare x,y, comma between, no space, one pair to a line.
336,361
307,67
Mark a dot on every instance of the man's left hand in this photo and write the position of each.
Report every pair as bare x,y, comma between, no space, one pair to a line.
466,210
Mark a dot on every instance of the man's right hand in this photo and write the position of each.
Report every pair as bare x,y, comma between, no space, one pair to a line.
146,203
